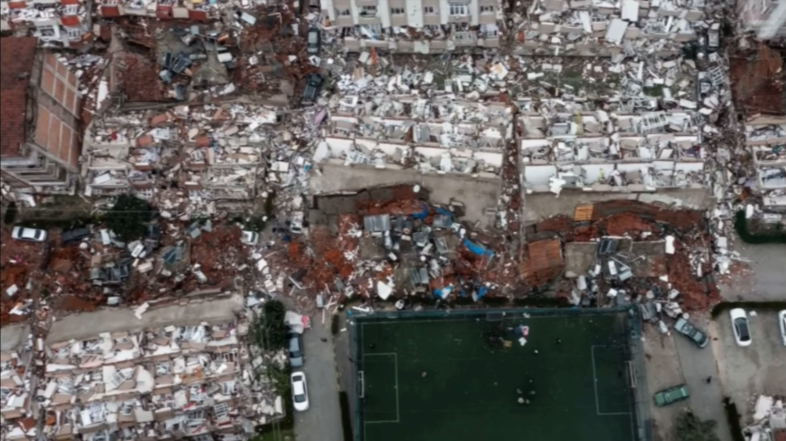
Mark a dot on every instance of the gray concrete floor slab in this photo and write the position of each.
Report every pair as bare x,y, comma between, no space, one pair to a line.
90,324
12,336
479,195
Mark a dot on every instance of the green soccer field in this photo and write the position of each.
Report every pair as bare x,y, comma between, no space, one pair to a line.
445,379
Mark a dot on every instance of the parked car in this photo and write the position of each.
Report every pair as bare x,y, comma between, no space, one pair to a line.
296,357
782,322
740,326
299,391
671,395
314,84
313,41
685,328
28,234
74,235
250,237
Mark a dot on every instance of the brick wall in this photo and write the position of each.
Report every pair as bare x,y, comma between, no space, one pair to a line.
58,107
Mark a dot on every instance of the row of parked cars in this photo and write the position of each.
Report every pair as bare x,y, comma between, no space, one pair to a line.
742,336
298,378
739,324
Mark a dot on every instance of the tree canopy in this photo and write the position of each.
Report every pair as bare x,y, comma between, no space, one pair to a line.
270,331
690,428
128,217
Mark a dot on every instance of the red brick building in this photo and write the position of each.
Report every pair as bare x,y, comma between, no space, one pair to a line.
40,138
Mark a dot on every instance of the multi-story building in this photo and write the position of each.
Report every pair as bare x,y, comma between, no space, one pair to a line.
55,22
41,110
415,26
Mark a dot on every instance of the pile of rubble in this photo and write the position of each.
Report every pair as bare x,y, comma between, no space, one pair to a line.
389,244
621,252
172,259
769,420
176,380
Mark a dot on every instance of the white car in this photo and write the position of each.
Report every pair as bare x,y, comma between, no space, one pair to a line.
740,326
29,234
299,391
250,237
782,321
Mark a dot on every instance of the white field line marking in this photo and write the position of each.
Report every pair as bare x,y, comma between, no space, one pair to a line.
395,365
595,383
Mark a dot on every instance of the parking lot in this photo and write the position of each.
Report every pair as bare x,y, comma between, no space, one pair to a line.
749,371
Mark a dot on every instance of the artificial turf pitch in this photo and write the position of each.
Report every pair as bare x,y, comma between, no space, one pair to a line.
469,391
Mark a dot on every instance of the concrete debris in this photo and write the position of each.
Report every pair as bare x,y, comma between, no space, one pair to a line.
769,419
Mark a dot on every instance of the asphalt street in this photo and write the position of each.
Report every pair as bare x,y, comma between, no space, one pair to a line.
706,399
322,421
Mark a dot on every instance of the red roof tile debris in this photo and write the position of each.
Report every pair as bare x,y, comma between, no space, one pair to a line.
544,262
140,81
15,68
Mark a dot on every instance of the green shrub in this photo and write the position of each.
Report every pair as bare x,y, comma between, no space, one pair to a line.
734,419
128,217
346,420
775,235
334,324
269,330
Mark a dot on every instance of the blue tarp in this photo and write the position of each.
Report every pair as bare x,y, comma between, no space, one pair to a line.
444,292
445,212
476,248
422,214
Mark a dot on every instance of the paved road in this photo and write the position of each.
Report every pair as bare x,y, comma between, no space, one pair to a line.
768,278
706,400
322,422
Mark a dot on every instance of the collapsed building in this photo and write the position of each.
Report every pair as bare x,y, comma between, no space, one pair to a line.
596,28
193,378
210,153
766,139
441,135
16,373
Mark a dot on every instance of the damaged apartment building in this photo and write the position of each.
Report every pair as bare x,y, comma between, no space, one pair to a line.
58,23
615,149
439,135
765,136
202,152
414,26
173,382
41,108
601,28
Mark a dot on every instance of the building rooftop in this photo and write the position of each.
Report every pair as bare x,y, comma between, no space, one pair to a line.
15,68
